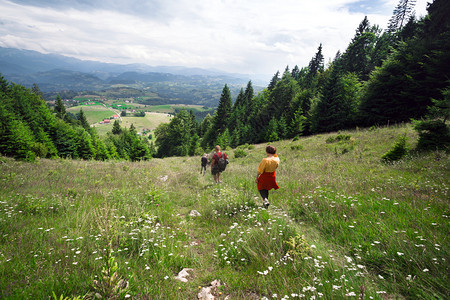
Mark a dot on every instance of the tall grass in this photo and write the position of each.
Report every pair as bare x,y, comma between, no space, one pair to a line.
342,225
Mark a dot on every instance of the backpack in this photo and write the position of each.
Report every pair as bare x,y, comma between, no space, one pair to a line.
222,162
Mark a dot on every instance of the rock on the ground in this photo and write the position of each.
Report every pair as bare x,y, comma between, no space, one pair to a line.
207,293
194,213
182,276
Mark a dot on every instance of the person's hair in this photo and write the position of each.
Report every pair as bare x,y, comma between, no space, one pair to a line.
271,149
217,148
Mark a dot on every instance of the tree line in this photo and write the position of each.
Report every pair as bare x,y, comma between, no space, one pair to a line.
383,77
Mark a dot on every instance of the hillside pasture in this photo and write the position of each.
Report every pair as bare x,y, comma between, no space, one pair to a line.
343,225
149,122
94,113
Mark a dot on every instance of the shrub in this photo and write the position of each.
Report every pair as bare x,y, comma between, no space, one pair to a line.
338,138
298,246
296,147
433,135
397,152
239,153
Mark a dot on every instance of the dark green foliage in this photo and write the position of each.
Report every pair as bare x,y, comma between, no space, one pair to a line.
16,138
127,145
177,138
274,81
116,127
83,121
433,135
85,149
402,88
28,129
397,152
336,108
60,109
314,68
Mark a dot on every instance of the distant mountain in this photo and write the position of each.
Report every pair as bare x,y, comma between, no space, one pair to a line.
54,73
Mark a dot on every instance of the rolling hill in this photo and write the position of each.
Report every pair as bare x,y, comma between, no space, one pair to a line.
175,85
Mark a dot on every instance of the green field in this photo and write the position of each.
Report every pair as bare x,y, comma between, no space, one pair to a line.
94,113
343,225
150,121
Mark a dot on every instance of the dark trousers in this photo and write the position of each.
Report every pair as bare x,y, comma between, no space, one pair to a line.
203,168
264,194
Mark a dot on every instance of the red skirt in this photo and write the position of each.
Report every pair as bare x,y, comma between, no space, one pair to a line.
267,181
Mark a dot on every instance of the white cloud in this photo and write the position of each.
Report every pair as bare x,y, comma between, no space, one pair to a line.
254,36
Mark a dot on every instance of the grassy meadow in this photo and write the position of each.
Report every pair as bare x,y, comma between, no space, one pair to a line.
343,225
94,113
150,121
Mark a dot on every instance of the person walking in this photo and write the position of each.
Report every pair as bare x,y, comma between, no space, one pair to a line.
219,162
204,162
265,177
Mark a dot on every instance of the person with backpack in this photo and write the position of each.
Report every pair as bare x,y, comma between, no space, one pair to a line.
219,162
204,161
265,177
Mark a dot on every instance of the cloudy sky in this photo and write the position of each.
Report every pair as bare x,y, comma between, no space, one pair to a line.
239,36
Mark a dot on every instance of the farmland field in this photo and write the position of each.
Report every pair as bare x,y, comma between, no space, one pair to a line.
150,121
94,113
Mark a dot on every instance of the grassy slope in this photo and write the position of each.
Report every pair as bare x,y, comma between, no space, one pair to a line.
371,228
150,121
94,113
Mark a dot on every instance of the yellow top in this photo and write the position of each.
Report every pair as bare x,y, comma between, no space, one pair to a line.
268,164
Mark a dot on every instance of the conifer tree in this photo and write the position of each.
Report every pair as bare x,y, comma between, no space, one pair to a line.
85,148
249,94
273,81
220,118
83,120
116,127
36,90
60,109
315,66
402,12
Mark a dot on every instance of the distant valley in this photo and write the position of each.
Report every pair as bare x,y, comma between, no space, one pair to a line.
157,85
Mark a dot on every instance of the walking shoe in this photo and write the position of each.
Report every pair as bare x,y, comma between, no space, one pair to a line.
266,203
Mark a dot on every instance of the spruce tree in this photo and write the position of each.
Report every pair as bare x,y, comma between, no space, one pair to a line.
402,12
116,127
60,109
273,81
83,121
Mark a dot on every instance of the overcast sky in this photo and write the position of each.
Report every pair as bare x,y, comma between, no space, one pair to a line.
240,36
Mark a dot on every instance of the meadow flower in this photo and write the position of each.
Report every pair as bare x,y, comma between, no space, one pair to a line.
336,287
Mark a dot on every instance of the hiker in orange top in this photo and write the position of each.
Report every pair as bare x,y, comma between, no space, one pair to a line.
265,177
219,162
